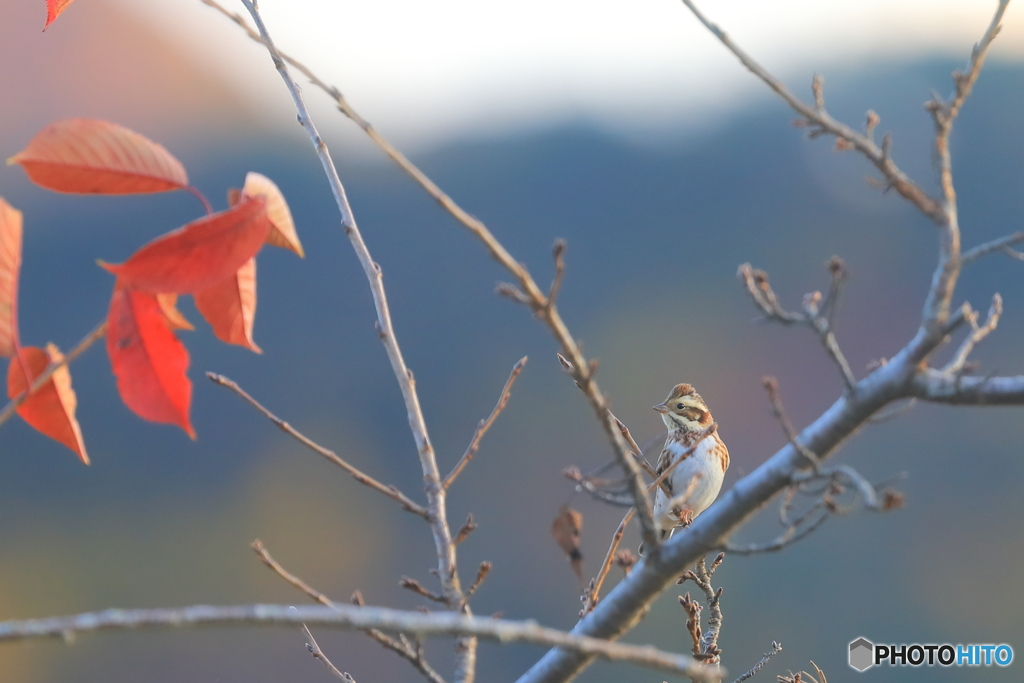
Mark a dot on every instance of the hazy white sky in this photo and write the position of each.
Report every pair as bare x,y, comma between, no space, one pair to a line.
427,71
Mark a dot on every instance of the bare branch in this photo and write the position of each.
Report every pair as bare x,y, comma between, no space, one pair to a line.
1002,244
528,292
387,489
939,387
817,314
819,119
790,536
318,654
275,567
558,252
944,113
771,385
418,588
349,617
447,566
705,644
804,677
959,361
776,649
415,658
44,377
485,424
637,451
401,646
594,592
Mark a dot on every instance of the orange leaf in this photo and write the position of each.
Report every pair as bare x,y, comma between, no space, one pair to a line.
175,318
86,156
230,307
53,10
282,230
51,410
199,255
148,360
10,264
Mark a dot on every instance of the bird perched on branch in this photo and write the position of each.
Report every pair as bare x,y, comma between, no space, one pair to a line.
696,476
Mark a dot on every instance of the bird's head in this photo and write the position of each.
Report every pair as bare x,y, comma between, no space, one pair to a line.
684,409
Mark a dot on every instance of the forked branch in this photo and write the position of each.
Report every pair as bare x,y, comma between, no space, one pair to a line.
401,648
817,117
526,291
818,313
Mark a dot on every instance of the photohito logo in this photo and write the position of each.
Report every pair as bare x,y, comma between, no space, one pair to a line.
864,654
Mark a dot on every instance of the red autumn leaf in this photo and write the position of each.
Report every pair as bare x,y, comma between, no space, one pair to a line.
230,307
54,9
87,156
175,318
10,264
51,409
199,255
148,360
282,227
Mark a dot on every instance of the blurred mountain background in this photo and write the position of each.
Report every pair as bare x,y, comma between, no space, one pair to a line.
655,233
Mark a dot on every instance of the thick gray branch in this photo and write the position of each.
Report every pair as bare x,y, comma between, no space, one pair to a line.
352,618
941,387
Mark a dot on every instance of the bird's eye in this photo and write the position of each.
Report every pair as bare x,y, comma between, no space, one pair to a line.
679,406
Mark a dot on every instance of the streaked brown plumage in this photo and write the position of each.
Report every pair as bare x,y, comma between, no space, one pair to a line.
696,481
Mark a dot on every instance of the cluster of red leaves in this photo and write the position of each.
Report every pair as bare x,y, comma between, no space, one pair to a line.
212,258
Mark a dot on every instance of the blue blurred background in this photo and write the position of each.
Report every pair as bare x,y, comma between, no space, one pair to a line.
655,233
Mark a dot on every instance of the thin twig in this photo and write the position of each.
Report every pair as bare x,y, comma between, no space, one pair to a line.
818,318
387,489
637,451
944,113
401,646
417,588
485,424
594,593
706,643
44,377
276,567
1002,244
357,618
788,538
558,252
314,649
771,385
465,667
978,333
415,658
817,117
776,649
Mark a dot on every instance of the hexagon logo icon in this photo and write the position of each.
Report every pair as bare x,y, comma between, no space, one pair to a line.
862,654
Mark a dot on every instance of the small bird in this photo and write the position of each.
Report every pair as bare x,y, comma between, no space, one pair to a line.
696,481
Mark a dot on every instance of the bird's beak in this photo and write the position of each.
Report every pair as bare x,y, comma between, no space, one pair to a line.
661,408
